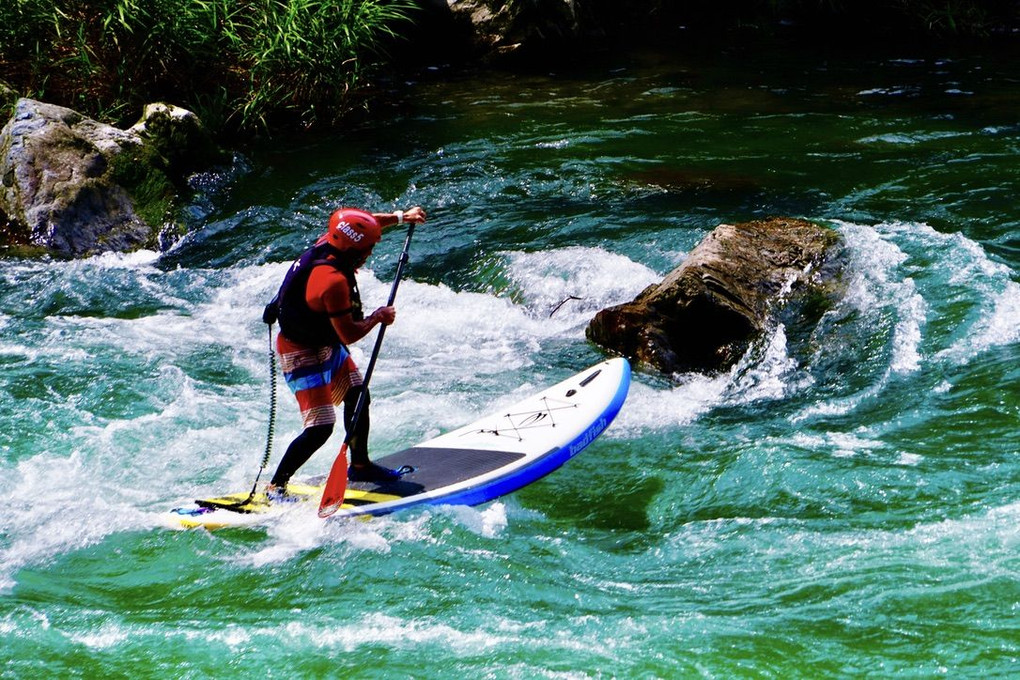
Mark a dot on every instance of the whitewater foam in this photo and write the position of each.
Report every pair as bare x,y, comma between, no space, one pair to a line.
452,355
56,504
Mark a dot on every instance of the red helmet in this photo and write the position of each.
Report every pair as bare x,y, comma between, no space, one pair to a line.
353,229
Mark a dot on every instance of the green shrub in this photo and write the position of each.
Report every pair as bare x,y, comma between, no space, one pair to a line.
305,55
242,63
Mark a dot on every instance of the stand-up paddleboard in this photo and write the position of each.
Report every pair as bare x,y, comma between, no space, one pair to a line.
491,457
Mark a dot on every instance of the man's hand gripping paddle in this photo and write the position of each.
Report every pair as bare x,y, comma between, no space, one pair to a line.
336,483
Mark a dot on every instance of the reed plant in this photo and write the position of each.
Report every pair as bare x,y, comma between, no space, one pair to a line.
240,64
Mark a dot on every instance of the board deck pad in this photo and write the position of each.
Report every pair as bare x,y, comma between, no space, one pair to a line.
490,457
436,468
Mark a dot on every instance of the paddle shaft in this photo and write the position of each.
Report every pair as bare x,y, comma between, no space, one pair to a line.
336,482
401,263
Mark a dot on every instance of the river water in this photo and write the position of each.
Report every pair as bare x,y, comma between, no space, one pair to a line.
844,502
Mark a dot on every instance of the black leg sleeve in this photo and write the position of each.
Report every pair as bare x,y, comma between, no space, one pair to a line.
358,440
300,450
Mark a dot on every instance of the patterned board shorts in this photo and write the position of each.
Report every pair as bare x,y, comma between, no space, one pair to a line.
319,377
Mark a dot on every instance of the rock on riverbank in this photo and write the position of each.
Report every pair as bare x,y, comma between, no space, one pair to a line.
72,186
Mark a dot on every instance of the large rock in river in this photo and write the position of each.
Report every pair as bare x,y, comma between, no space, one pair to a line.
706,312
72,186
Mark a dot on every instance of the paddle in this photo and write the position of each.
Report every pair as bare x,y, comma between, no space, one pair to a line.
336,483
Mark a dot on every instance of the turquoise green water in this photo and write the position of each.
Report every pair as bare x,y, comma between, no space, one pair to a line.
845,502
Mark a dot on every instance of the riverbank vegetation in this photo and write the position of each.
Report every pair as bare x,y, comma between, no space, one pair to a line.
238,64
248,65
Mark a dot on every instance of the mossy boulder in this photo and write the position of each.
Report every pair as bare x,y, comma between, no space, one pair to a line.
72,186
176,140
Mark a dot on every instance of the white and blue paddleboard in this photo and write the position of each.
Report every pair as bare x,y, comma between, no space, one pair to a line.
491,457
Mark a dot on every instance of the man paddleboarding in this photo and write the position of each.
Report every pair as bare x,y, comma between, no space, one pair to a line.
320,315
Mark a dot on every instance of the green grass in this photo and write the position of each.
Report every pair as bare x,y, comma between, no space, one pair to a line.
239,64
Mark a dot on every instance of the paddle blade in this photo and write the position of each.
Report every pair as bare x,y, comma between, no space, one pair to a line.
336,485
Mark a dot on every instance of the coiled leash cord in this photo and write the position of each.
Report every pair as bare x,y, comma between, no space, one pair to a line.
272,413
272,417
237,505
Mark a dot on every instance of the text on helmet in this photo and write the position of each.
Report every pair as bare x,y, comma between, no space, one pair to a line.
350,232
